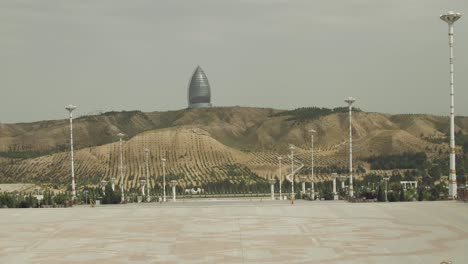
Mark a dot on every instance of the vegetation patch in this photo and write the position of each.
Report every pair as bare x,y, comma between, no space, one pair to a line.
308,113
398,161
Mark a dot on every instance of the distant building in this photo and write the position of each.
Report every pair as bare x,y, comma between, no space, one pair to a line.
199,94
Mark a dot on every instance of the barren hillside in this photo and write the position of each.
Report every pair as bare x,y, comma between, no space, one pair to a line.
205,145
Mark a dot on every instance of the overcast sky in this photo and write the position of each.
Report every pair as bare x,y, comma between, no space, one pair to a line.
139,55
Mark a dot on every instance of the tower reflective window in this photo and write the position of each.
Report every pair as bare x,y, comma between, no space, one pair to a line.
199,93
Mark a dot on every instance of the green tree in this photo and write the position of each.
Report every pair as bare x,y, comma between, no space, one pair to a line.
110,196
380,194
402,194
420,193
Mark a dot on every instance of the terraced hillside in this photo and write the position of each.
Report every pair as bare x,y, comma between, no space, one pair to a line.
208,145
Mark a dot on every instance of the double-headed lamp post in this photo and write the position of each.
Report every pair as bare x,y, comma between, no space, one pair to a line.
164,178
291,147
280,177
70,109
312,189
350,101
451,17
147,174
122,185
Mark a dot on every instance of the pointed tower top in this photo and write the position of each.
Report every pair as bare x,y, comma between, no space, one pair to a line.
199,91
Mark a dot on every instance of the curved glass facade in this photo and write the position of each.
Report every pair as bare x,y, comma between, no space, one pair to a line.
199,93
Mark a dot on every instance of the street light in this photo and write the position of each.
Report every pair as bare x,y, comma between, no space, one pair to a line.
147,174
164,178
291,147
312,189
451,17
122,185
70,109
280,177
350,101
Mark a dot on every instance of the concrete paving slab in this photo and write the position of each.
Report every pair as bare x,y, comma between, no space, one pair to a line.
238,232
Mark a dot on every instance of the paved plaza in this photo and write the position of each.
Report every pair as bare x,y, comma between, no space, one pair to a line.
238,232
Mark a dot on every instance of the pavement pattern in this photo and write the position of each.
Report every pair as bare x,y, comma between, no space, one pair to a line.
238,232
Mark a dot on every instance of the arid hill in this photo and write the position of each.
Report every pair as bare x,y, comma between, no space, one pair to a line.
206,145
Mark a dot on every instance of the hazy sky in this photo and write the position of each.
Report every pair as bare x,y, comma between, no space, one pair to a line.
139,55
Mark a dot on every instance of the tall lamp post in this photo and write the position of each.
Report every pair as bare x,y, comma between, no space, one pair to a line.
147,174
291,147
350,101
451,17
280,177
122,199
164,178
70,109
312,189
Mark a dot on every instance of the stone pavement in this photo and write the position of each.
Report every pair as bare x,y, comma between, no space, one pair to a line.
238,232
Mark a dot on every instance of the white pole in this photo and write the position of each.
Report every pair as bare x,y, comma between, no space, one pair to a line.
312,181
386,189
450,18
335,196
312,189
292,171
280,178
173,184
164,179
351,191
147,175
272,188
70,109
452,172
350,102
273,192
122,185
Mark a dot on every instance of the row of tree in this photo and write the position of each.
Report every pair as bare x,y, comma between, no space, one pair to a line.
307,113
28,200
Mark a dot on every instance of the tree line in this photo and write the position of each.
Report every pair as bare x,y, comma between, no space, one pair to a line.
306,113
